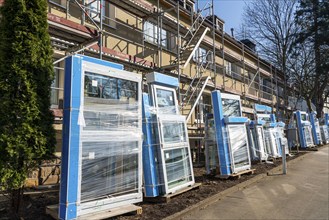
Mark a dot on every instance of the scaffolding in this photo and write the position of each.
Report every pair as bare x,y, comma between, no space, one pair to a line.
157,29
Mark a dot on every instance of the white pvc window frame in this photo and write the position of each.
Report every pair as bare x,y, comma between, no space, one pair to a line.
307,130
245,167
306,117
86,136
182,186
172,119
318,130
232,97
273,142
324,134
151,34
155,100
174,146
211,150
261,142
264,117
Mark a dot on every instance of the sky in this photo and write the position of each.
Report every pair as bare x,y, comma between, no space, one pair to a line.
230,11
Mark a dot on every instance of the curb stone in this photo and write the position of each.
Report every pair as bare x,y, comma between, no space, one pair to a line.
210,200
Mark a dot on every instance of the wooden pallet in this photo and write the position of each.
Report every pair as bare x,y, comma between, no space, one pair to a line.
237,175
312,148
52,210
167,198
274,159
259,161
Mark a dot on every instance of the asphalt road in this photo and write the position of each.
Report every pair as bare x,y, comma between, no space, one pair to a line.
301,194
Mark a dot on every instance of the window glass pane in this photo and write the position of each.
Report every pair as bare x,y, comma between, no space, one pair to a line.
55,88
105,98
308,135
200,55
101,86
109,15
163,38
171,42
229,68
165,98
238,142
267,119
127,89
94,9
173,132
109,169
231,107
203,55
107,87
178,167
149,32
155,34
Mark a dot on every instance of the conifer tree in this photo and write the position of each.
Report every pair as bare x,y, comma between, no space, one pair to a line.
26,133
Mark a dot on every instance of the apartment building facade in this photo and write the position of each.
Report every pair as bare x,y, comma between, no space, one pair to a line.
174,37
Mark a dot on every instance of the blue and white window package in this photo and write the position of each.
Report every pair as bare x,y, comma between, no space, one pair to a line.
231,133
102,138
167,162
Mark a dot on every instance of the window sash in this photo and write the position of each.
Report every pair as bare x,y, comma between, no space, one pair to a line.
151,34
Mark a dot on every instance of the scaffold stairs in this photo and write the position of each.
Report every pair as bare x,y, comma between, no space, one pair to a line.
189,50
191,40
193,94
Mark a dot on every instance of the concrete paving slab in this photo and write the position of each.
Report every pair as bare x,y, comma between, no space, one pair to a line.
301,194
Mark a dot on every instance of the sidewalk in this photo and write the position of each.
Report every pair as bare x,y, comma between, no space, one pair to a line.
301,194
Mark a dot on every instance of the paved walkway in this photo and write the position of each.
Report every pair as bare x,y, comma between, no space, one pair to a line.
301,194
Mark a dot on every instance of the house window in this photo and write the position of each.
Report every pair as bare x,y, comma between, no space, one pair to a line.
57,86
200,111
252,84
219,25
109,17
229,68
261,81
54,89
171,42
151,34
280,91
267,86
108,10
233,70
200,55
94,7
188,5
59,2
